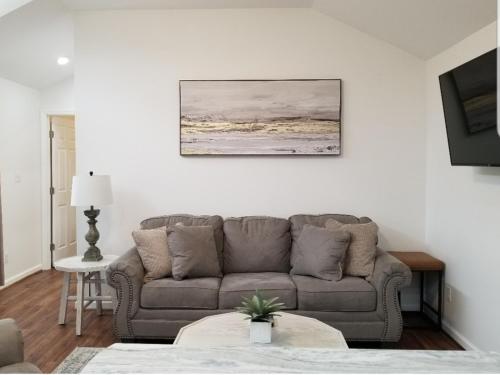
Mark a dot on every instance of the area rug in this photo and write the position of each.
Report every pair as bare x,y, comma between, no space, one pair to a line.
76,360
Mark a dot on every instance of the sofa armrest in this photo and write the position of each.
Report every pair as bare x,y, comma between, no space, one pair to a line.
389,276
126,275
11,343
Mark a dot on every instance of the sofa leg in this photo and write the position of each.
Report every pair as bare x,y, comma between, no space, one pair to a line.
388,345
128,341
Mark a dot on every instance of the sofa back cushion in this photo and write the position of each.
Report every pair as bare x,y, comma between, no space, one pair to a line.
190,220
298,221
256,244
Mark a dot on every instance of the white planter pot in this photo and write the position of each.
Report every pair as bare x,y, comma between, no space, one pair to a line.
260,332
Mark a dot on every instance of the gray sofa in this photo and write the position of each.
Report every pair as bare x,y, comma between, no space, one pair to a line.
255,253
12,350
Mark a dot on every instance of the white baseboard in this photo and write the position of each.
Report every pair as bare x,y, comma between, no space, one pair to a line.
458,337
20,276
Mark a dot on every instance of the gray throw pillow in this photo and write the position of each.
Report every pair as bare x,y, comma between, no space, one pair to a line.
360,256
193,252
320,253
153,249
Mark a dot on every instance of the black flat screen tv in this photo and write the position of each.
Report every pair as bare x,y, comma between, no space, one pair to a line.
469,94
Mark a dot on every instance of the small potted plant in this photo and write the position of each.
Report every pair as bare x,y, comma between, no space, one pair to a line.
261,313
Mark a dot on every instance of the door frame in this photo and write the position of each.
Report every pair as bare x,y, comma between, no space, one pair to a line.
45,182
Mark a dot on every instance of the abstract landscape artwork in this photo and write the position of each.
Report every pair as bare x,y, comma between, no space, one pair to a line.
260,117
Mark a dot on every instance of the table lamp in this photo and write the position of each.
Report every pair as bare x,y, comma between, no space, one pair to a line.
89,191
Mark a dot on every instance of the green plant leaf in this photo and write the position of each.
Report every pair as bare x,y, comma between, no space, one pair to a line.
257,308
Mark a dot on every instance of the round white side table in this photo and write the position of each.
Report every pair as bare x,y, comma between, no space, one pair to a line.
86,272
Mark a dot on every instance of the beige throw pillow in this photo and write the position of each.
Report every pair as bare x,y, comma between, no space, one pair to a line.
193,252
360,256
153,250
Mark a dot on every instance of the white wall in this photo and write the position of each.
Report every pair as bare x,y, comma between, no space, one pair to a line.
21,150
20,177
58,98
463,213
126,92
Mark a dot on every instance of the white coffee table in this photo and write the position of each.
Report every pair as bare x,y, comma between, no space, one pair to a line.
86,272
231,329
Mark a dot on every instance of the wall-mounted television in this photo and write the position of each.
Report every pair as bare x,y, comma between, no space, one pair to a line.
469,94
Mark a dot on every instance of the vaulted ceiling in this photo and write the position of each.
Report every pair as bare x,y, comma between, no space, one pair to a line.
32,37
7,6
38,31
423,28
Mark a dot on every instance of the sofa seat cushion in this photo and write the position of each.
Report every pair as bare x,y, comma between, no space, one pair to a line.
235,286
348,294
198,293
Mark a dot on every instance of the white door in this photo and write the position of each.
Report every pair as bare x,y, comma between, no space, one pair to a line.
63,170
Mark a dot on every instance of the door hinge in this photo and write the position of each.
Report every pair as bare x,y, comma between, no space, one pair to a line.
52,247
51,134
52,191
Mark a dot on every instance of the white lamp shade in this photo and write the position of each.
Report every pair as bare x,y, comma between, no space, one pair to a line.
93,190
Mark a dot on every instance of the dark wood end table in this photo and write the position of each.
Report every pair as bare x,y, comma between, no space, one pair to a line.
421,262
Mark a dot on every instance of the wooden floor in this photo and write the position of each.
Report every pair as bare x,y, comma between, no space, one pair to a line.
34,301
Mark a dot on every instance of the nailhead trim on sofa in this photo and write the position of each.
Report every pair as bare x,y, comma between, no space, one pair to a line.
399,281
117,284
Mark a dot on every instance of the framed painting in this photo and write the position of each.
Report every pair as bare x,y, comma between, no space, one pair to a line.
260,117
